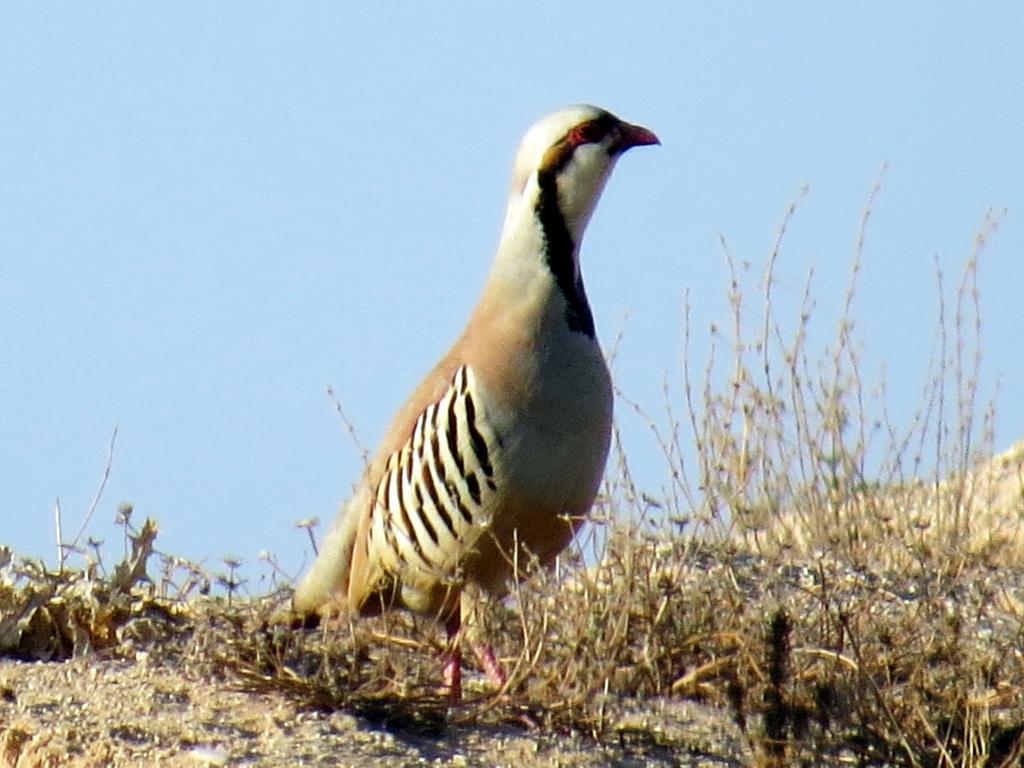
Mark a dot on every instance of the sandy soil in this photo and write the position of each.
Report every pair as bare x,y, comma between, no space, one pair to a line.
94,712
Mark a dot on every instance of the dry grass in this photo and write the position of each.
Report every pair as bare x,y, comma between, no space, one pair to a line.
817,663
845,589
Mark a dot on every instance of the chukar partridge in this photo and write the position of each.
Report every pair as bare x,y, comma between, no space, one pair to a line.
504,443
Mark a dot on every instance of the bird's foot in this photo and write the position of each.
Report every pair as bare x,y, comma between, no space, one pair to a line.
452,674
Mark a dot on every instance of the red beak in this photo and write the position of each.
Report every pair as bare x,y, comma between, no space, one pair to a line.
635,136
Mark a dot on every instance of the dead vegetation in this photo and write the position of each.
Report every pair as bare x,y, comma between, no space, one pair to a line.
839,589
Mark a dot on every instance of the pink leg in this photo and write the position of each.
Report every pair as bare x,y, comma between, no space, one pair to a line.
492,667
452,670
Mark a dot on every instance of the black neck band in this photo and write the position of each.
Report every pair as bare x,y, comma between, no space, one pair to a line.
559,250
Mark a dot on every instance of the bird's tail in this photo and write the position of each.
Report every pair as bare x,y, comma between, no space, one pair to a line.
324,590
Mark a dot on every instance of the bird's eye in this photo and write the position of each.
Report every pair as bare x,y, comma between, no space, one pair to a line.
586,133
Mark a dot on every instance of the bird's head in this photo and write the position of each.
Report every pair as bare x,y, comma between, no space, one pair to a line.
565,159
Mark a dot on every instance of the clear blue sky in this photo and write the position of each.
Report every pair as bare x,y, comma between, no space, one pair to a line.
209,212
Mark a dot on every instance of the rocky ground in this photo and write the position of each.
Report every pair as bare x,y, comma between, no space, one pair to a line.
90,712
875,641
814,662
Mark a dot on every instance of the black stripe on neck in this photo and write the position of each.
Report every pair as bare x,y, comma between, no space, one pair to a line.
559,249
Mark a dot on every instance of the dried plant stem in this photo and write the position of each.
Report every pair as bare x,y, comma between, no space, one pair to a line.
60,534
99,491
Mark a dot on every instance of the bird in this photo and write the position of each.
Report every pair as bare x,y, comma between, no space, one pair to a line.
496,458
